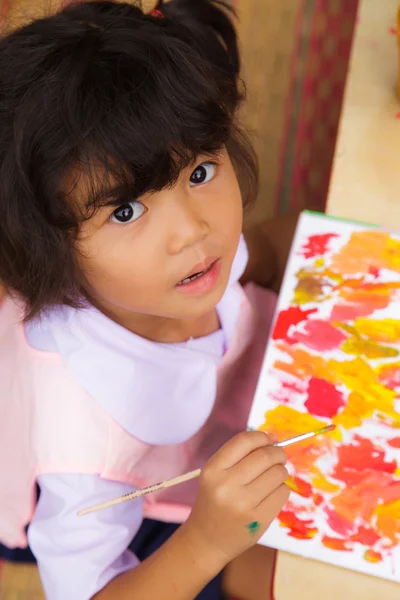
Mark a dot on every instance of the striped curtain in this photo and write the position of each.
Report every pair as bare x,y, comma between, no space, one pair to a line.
295,55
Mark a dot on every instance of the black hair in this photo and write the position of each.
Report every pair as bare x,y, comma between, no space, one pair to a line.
103,84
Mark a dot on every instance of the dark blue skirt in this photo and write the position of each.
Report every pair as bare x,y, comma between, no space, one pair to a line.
151,535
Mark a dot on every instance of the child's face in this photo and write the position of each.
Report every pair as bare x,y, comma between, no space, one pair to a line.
134,257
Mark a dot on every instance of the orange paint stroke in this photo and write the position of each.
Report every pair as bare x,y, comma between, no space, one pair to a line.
337,543
361,456
388,520
389,375
373,556
299,486
303,364
298,528
359,500
366,249
360,303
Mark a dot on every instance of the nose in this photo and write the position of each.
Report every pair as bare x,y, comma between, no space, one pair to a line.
189,226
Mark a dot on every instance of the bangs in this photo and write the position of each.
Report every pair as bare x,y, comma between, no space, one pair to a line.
140,121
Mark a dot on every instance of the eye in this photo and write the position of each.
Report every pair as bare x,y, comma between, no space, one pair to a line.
129,212
203,173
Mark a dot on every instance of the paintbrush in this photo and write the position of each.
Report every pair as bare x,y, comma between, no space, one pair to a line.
191,475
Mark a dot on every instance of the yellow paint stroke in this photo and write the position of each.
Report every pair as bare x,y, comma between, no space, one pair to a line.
367,348
287,421
319,262
391,254
388,520
366,249
309,288
353,413
377,330
284,421
370,395
393,421
321,483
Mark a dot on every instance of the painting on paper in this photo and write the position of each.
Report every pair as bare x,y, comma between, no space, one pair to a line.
334,357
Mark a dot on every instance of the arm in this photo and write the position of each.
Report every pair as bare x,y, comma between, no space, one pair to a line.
87,557
269,245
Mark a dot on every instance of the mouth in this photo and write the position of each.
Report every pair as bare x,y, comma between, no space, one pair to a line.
198,271
202,278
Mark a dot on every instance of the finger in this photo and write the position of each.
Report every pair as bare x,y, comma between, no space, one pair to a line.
237,448
257,462
267,483
270,507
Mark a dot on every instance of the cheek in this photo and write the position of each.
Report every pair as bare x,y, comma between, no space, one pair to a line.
103,257
115,262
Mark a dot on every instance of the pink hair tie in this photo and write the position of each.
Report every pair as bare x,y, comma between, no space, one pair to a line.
156,14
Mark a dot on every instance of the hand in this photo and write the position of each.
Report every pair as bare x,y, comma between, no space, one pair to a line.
241,490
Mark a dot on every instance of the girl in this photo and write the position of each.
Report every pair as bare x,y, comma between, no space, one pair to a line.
128,350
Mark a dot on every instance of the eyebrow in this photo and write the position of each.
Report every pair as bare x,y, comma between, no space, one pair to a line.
107,197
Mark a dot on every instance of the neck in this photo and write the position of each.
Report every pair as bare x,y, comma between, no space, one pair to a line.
163,329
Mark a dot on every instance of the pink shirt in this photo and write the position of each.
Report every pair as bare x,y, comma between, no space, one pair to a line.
160,393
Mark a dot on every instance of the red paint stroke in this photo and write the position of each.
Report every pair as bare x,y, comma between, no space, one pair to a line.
373,556
393,30
286,391
358,456
299,529
292,386
286,318
374,271
397,115
365,536
319,335
318,499
391,492
336,543
389,376
323,400
395,442
338,524
301,487
317,245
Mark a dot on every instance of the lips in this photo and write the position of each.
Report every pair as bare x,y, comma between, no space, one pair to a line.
197,271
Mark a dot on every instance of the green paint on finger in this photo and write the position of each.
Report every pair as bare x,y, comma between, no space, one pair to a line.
253,527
